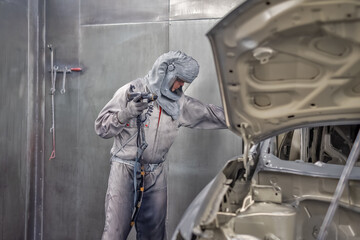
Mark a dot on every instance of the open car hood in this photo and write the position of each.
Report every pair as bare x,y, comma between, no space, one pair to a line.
283,64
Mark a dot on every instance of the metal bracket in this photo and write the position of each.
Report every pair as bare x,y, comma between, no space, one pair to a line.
248,201
266,193
52,91
247,159
53,71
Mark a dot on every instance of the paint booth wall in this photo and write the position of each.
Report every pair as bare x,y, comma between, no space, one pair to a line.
15,72
114,42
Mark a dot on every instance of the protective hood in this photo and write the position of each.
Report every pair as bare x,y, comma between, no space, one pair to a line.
166,69
285,64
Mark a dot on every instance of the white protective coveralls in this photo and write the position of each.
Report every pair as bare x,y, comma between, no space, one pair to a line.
172,110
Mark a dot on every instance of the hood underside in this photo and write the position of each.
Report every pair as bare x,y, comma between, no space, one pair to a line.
284,64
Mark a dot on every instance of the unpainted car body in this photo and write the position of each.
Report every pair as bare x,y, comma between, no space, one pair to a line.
284,199
289,76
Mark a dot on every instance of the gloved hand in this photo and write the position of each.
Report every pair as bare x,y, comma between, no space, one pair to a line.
133,109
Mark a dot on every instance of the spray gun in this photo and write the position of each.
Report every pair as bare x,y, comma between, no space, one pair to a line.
144,95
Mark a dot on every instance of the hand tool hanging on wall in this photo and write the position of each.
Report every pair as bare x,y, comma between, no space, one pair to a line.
53,70
64,71
52,92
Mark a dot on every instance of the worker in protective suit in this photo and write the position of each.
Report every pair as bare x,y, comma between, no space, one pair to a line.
171,110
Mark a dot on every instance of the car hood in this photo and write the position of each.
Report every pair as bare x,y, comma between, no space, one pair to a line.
287,64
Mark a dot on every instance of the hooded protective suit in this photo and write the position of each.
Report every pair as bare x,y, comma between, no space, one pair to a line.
172,110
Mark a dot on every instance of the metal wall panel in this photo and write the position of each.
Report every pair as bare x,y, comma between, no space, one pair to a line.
13,119
35,125
112,55
200,9
125,11
126,53
61,190
197,155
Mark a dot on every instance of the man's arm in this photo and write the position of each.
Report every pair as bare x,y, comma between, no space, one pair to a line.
107,124
195,114
117,112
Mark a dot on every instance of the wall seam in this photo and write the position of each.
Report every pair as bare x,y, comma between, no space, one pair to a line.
41,125
28,157
33,228
78,77
168,164
169,21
